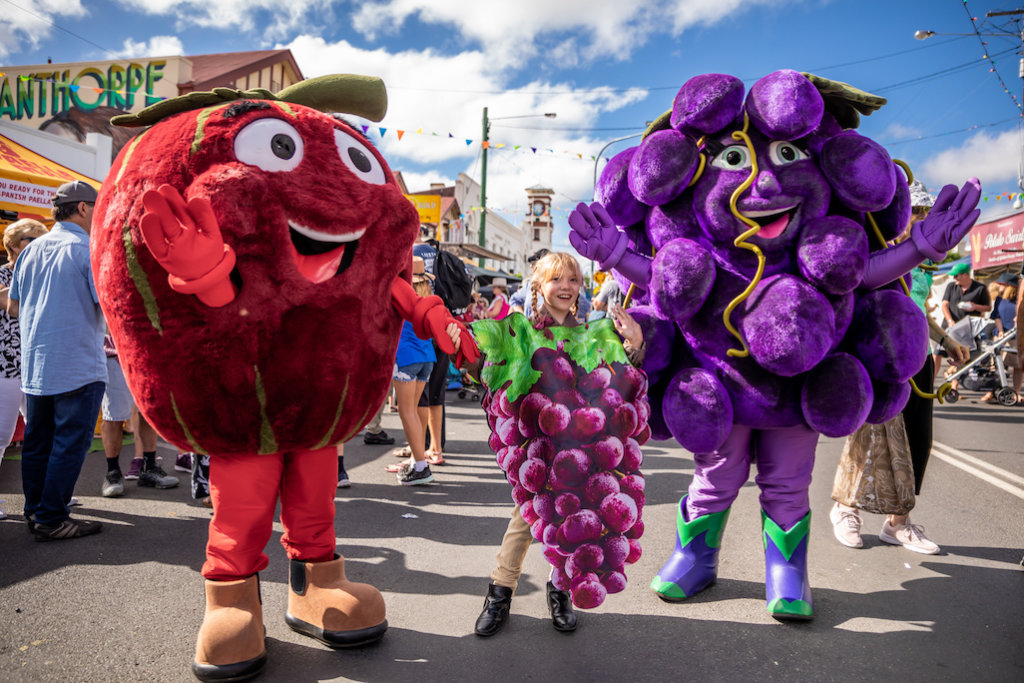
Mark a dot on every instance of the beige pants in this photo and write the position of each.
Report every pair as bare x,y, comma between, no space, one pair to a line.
513,549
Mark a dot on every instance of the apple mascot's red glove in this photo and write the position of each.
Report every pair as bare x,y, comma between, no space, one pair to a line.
430,318
185,239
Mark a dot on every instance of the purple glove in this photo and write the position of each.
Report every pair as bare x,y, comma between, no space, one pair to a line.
594,235
949,221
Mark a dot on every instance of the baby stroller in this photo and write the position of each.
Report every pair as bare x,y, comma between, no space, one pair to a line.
469,388
986,371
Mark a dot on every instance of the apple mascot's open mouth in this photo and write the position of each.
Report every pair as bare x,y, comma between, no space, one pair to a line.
320,256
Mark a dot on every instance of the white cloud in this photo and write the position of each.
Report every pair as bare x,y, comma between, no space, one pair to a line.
510,32
897,132
157,46
446,95
993,159
280,19
28,22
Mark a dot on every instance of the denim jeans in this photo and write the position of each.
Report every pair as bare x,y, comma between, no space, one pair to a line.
58,432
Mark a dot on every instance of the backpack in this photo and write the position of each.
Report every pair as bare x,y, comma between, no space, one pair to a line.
451,280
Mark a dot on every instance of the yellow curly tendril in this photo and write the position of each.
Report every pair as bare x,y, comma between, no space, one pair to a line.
946,387
906,169
703,162
741,240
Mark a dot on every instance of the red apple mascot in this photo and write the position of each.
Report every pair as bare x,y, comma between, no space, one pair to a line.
253,264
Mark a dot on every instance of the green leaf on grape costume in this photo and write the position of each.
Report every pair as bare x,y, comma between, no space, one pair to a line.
510,344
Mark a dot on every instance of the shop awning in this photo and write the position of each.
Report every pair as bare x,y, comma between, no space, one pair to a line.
27,179
468,250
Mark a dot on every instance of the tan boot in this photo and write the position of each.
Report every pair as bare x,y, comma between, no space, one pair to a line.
325,605
230,646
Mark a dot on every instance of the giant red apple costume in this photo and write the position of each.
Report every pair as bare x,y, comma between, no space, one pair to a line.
253,261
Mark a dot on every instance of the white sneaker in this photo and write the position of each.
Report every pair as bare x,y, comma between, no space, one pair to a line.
846,526
910,536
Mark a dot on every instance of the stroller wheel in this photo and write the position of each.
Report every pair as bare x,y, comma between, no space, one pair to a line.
1006,397
462,394
953,396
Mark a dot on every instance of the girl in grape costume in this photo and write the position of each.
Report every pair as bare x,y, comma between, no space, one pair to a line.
768,317
569,447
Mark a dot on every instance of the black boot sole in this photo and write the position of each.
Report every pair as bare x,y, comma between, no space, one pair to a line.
338,639
240,671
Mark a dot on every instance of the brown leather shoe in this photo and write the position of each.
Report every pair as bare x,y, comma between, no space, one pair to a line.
325,605
230,645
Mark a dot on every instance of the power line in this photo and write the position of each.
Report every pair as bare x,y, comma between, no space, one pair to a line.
59,28
951,132
943,72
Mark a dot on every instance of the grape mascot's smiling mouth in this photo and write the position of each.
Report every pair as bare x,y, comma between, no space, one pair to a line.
319,256
773,222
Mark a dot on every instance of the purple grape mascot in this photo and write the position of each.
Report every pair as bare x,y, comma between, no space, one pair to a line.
746,225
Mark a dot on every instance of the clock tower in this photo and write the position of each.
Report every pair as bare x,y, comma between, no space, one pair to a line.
539,225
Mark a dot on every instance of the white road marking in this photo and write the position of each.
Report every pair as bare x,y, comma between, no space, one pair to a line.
958,458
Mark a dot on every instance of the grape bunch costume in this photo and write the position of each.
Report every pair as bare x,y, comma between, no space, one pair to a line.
568,414
254,265
745,223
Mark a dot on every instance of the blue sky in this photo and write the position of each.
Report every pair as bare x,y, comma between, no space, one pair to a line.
604,66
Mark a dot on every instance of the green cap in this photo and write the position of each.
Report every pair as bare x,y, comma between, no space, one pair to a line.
959,269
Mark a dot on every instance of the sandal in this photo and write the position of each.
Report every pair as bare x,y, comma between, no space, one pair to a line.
435,459
398,467
403,452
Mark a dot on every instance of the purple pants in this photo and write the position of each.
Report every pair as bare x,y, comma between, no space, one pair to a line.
784,458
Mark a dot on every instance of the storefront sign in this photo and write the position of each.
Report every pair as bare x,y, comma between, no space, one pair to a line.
37,93
428,206
998,242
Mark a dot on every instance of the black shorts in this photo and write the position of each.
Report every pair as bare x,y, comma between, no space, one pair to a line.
433,393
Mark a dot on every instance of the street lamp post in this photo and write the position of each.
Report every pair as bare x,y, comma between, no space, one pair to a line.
482,235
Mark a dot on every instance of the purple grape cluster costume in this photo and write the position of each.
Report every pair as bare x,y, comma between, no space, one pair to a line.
745,225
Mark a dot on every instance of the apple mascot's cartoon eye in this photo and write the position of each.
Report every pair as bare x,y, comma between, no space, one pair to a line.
270,144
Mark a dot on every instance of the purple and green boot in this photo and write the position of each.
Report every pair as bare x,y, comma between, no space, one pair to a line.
787,589
693,565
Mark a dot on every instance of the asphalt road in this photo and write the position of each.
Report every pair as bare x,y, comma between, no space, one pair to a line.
125,605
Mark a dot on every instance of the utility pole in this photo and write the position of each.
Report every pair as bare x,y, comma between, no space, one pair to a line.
482,234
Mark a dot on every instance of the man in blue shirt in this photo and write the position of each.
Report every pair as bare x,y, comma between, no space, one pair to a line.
63,367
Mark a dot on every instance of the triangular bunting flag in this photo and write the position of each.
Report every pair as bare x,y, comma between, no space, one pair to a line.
450,135
468,143
366,130
485,144
400,133
382,131
534,149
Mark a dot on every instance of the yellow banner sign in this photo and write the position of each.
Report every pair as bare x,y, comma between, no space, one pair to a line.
428,206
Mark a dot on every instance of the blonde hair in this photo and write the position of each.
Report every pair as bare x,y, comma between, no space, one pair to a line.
422,286
552,265
994,290
16,231
1010,293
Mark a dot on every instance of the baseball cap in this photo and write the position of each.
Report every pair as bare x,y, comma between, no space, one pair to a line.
959,269
538,255
74,192
1008,279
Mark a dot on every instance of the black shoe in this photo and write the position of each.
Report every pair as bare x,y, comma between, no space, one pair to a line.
496,606
69,528
381,438
562,616
30,522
